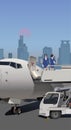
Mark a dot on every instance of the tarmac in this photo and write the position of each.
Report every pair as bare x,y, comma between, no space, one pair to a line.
29,119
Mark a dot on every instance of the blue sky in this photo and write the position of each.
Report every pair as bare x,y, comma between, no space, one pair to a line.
49,22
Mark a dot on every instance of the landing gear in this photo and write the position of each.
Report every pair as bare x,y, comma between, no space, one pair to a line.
16,110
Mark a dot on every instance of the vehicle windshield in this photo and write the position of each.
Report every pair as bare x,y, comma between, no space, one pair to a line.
51,98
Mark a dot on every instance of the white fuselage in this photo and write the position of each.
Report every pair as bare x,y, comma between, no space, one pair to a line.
16,79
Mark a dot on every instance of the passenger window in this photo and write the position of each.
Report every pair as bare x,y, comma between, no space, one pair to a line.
19,66
13,64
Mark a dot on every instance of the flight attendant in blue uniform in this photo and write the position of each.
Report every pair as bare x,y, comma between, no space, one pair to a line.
45,61
52,61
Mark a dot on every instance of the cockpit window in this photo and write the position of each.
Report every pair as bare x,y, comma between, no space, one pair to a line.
19,66
15,65
12,64
4,63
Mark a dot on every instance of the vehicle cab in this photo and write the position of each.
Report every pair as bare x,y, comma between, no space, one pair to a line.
50,100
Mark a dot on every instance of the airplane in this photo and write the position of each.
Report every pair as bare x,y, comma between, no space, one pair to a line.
20,79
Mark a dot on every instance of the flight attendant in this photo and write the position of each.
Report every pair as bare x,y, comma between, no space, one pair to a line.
45,61
52,61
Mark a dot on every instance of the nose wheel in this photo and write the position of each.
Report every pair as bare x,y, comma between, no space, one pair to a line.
16,110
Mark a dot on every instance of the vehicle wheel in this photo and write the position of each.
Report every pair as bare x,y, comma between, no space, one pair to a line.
55,114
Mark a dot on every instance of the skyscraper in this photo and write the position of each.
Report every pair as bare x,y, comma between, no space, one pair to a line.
64,53
10,55
1,53
47,50
22,51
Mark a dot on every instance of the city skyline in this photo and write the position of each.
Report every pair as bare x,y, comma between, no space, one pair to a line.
64,52
42,49
47,22
55,52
